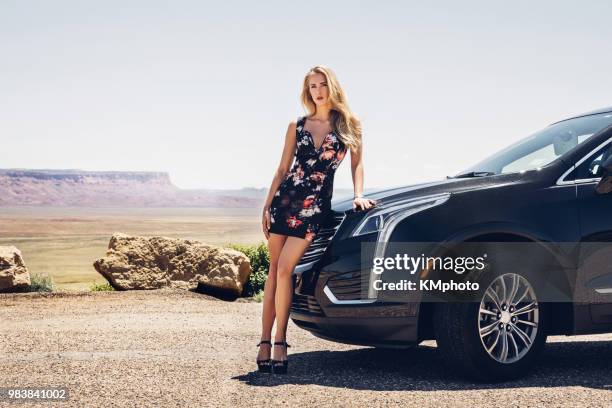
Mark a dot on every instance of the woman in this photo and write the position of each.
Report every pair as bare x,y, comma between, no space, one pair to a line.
300,198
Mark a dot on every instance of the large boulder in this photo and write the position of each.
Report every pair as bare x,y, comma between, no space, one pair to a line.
134,262
13,273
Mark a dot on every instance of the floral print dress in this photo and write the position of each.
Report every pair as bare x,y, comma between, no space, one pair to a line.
303,199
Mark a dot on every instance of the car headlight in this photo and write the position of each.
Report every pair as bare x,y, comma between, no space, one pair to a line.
383,215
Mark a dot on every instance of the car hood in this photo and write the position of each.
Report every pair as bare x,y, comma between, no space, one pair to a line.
452,185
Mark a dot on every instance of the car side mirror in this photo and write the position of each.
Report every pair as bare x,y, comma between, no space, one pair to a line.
595,167
605,184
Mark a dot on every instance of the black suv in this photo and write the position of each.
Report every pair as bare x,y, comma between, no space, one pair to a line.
550,190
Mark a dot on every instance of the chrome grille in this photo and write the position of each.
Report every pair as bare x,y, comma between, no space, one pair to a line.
348,286
305,305
315,250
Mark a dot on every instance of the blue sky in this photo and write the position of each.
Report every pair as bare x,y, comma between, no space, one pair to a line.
205,90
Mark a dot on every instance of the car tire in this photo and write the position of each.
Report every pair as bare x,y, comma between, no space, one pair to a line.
472,341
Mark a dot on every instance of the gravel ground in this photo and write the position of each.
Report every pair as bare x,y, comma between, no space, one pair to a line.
184,349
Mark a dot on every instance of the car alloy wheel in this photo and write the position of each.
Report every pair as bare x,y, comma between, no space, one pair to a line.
508,318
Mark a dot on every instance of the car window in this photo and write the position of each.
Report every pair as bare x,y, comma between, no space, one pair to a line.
543,147
533,160
539,158
591,167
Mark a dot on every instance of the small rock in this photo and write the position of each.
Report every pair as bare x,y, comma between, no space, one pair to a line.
13,273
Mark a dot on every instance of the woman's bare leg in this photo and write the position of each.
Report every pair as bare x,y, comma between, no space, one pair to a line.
290,255
275,245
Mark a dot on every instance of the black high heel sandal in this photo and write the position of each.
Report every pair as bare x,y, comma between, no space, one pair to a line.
264,366
280,366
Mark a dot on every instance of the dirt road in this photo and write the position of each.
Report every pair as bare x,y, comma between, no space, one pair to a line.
183,349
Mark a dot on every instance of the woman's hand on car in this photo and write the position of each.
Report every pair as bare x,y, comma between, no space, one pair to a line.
360,203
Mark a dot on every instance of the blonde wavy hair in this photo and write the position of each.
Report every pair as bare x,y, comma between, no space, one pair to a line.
343,121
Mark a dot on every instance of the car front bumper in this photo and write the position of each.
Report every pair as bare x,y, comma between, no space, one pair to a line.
366,322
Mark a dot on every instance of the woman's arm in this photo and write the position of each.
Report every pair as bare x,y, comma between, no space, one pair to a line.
357,172
285,162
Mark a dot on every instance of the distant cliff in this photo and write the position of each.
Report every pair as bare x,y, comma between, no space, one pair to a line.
81,188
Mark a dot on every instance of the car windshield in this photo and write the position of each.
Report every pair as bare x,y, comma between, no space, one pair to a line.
541,148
